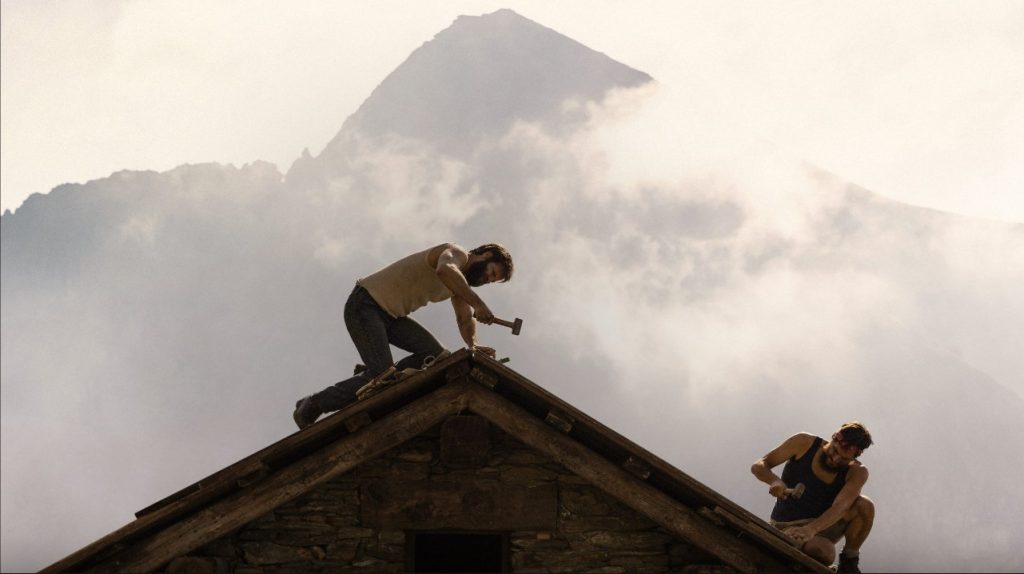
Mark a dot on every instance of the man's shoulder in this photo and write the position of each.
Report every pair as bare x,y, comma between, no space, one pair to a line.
454,247
803,438
454,250
801,442
857,467
795,446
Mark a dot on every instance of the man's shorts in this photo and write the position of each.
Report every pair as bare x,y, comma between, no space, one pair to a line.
833,533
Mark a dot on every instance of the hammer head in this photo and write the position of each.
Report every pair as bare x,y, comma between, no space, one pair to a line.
517,325
797,491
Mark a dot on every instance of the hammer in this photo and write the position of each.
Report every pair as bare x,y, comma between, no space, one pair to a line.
796,492
516,325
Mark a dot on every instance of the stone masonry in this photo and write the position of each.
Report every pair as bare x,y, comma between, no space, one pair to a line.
360,522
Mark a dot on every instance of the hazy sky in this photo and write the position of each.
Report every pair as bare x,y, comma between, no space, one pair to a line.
164,328
919,101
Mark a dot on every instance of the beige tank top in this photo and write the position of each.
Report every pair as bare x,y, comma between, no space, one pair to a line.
405,285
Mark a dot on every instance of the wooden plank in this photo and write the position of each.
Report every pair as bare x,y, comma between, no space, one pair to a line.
637,468
212,485
705,495
298,478
225,480
209,489
486,379
777,540
424,505
357,421
756,524
620,484
459,371
668,473
559,420
253,477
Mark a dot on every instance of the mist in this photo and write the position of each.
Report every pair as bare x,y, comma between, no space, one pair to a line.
695,289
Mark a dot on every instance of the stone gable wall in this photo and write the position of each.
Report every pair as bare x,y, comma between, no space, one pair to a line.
329,529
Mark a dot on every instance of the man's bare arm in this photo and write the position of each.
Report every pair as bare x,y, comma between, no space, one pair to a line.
449,261
464,319
791,448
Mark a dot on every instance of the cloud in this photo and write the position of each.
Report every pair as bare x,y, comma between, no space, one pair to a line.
731,287
694,289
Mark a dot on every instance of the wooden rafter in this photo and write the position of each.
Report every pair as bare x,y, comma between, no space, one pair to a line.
330,462
621,484
298,463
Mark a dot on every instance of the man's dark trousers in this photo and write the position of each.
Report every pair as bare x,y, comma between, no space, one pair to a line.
373,330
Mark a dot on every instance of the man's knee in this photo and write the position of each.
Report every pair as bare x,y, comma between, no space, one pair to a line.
864,508
821,549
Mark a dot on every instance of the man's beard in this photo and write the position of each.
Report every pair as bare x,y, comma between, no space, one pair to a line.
476,274
826,462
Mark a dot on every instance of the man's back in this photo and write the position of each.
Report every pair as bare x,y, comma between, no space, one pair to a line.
406,285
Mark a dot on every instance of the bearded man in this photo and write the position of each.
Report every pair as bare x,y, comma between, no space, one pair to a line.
377,315
831,505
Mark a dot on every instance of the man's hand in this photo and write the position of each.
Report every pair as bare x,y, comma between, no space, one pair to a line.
483,314
485,350
800,533
790,449
778,489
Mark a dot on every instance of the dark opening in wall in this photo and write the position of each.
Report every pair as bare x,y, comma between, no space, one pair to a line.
457,552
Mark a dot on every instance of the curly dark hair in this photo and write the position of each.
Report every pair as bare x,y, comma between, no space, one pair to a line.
856,434
499,254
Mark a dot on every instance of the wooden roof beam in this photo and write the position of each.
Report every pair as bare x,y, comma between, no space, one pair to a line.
678,519
291,482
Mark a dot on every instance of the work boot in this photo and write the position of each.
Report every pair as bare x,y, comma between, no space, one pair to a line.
848,564
306,412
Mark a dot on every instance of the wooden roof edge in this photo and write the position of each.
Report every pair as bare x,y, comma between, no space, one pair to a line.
204,492
610,477
291,481
327,426
618,440
745,521
770,537
224,481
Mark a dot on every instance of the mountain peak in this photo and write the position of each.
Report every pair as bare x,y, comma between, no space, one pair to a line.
499,14
480,75
500,17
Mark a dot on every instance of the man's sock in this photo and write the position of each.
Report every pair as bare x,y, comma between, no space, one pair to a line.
851,553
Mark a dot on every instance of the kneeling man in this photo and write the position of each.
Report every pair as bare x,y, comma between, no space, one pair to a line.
831,505
377,315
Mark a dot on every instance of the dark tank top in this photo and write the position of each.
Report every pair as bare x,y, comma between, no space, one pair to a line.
818,495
